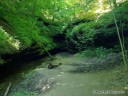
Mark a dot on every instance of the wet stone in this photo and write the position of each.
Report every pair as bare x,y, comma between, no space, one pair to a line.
36,84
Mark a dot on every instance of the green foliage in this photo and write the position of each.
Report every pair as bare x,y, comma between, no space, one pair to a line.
24,18
5,42
2,40
1,61
25,24
26,75
82,35
85,34
85,29
95,52
20,94
55,29
106,20
25,29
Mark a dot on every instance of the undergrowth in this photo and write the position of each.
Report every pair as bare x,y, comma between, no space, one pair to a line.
95,52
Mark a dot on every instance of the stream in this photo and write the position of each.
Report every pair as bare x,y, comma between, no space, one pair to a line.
61,81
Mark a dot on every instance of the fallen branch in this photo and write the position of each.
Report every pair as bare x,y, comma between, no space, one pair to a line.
7,90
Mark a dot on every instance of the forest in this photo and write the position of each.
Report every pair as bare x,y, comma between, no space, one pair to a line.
63,47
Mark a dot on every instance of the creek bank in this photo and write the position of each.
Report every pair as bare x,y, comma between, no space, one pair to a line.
17,60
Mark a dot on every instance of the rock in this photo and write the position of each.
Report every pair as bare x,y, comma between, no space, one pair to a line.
36,84
50,66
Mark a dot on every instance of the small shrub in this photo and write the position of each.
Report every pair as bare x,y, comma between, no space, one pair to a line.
96,52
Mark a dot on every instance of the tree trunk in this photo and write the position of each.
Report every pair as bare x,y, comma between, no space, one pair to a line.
119,37
48,52
54,11
114,3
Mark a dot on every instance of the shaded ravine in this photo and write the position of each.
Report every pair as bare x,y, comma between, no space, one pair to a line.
61,81
21,64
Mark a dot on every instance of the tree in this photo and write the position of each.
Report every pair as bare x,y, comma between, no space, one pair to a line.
119,37
114,3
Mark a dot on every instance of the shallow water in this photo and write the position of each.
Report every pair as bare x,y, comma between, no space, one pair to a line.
20,74
85,84
74,84
82,84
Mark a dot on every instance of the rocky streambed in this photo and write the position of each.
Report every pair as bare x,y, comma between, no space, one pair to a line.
75,77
